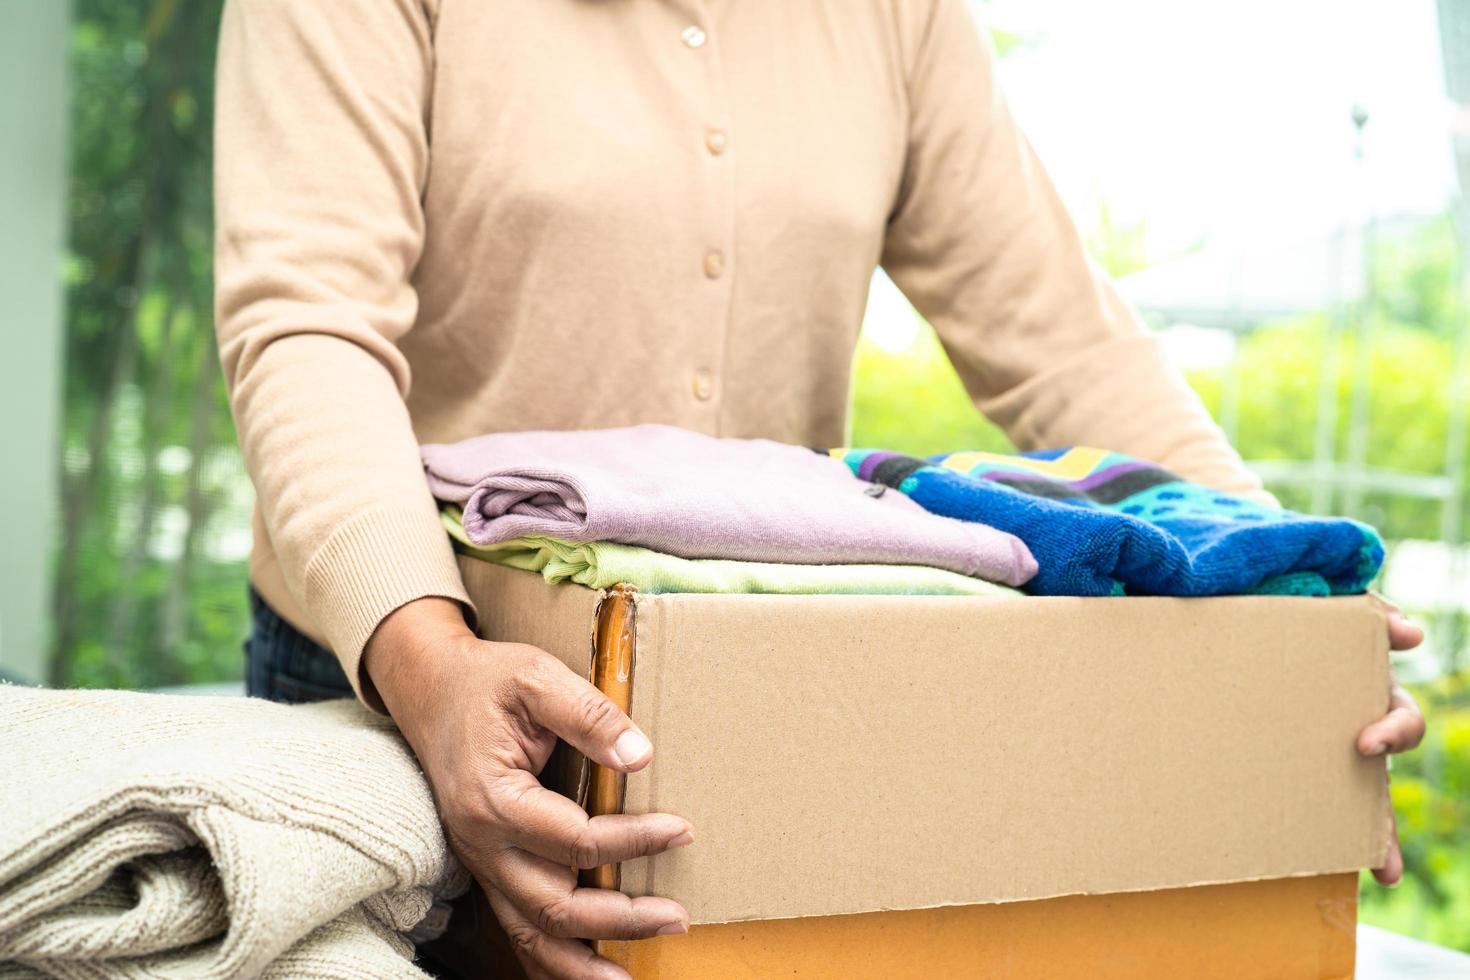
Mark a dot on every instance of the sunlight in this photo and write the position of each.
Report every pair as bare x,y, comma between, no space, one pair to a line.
890,321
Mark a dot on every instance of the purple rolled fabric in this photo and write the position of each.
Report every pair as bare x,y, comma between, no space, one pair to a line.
696,496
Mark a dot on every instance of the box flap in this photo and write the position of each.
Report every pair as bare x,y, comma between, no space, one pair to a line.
841,754
521,607
1301,928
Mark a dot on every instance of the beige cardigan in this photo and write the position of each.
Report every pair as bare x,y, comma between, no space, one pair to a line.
438,218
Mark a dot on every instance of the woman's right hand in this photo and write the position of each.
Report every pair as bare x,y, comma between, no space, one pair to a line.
482,718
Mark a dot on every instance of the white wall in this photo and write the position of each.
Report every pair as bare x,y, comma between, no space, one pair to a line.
33,134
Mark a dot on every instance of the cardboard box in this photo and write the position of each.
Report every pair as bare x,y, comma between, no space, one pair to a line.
1287,927
841,755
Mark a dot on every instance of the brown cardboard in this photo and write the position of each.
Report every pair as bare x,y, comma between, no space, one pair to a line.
1286,929
843,754
520,606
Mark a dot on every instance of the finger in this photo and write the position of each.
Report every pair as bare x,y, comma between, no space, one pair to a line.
568,705
543,955
547,896
1398,731
1403,634
551,826
1393,865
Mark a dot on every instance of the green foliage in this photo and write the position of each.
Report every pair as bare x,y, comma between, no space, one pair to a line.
1409,390
1119,249
1431,795
1414,274
1005,41
912,401
148,589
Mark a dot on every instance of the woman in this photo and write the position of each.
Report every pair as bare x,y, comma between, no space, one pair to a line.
438,218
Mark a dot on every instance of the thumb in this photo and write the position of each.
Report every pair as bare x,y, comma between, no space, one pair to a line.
586,719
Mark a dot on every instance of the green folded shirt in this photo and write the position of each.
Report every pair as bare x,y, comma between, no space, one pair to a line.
603,564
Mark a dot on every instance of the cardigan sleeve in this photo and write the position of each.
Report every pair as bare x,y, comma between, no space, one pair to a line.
321,154
982,245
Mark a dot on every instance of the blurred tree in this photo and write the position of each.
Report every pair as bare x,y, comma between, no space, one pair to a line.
913,401
1408,399
1431,795
145,421
1414,275
1118,248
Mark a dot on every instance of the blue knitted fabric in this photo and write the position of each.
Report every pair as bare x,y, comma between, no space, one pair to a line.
1101,523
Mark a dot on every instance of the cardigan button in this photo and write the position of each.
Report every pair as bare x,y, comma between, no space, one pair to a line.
714,264
704,384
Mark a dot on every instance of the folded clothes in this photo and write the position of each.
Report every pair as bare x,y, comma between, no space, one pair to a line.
150,835
603,564
1101,523
695,496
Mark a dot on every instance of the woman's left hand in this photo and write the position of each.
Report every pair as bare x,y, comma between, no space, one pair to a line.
1398,731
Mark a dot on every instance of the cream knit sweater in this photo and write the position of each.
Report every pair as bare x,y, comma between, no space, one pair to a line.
146,835
439,218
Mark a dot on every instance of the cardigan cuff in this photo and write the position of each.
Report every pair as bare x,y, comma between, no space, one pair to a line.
370,566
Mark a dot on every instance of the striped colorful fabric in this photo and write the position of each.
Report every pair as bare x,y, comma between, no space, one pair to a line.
1102,523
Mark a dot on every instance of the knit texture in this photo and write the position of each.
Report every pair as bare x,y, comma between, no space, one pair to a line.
1102,523
696,496
147,835
603,564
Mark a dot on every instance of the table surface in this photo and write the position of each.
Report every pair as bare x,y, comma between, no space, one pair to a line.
1384,955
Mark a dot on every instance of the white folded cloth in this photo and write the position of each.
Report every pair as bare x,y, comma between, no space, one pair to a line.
150,835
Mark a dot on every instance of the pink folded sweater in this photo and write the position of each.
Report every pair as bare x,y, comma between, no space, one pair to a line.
696,496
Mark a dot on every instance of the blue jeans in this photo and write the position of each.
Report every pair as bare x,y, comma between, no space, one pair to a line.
283,664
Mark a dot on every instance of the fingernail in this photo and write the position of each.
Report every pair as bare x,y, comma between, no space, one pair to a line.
673,929
1378,748
631,747
683,840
